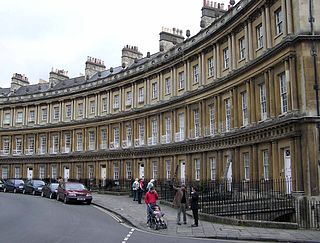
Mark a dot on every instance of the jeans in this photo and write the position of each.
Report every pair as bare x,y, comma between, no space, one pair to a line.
135,195
182,209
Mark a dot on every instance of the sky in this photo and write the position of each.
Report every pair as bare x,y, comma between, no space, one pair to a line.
38,35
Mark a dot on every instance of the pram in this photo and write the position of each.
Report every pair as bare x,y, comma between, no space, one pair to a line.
156,217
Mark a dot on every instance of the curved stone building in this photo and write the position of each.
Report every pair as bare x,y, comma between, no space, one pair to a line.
237,101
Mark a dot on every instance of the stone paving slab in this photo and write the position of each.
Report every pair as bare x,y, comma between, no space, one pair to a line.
136,214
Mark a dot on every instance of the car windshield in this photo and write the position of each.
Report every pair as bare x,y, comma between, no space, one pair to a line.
75,186
38,183
18,182
54,185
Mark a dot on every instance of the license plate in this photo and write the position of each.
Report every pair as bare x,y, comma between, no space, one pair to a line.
81,198
20,187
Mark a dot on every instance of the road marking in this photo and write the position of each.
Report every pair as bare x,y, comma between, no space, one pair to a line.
128,236
119,220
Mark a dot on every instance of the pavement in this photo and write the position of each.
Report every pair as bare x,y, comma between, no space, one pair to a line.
135,214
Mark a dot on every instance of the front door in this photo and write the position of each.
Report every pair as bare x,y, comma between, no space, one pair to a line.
29,173
141,170
66,173
103,175
287,170
183,171
229,174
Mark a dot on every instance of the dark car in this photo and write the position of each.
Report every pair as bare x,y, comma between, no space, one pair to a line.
1,185
13,185
73,192
33,187
50,190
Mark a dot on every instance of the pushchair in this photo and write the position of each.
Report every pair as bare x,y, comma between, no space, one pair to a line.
156,217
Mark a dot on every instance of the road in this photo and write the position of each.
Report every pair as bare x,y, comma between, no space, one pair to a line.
32,219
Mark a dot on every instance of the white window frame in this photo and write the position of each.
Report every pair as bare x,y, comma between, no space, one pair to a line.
19,118
128,134
210,67
56,112
141,95
44,114
116,137
116,101
43,144
79,141
128,98
92,104
168,169
154,169
197,169
196,120
116,170
105,104
168,129
104,138
263,101
67,142
18,149
78,172
154,88
228,114
266,165
6,145
213,168
154,132
42,171
54,172
7,118
242,48
55,144
90,172
246,165
278,21
195,72
259,31
168,86
226,58
212,119
32,116
68,111
283,93
17,172
244,101
91,144
80,109
30,145
141,133
181,80
128,170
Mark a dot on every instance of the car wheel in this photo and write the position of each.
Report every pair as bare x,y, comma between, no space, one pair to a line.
24,191
58,198
15,190
5,189
65,200
51,195
88,202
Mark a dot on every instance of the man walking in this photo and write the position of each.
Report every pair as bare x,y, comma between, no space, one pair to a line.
180,202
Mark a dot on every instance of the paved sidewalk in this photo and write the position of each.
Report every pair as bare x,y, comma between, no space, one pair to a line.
135,214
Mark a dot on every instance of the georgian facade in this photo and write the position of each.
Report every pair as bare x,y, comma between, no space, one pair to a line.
236,102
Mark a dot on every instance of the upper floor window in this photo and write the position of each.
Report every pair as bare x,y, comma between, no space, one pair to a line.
92,106
55,144
283,93
226,58
105,104
44,114
129,98
196,120
246,164
128,134
67,142
154,90
141,95
168,86
79,142
259,31
116,137
80,109
154,130
263,101
181,125
7,119
197,169
18,145
212,119
30,145
279,21
43,144
91,140
244,98
116,171
195,74
104,138
228,114
19,118
265,158
56,112
68,111
181,81
210,67
32,116
6,145
141,133
116,102
168,129
242,48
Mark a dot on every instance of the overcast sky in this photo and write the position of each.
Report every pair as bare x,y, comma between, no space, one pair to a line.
36,35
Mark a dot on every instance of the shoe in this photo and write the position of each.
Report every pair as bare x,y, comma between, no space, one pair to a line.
194,225
178,223
184,222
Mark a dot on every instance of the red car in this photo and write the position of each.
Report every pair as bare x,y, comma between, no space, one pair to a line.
73,192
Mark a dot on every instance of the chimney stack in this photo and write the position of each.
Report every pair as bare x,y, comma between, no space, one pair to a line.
57,75
169,38
129,55
93,65
17,81
210,12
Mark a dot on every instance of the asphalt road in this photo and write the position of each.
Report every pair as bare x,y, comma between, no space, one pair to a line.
32,219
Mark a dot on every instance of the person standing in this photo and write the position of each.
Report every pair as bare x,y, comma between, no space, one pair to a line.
135,187
140,190
180,202
151,200
194,206
150,184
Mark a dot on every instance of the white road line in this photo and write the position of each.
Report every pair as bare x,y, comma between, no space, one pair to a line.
128,236
119,220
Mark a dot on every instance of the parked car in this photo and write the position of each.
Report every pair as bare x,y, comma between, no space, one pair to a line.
50,190
1,185
73,192
13,185
33,187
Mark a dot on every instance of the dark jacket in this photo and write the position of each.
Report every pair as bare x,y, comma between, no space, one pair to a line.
194,200
178,196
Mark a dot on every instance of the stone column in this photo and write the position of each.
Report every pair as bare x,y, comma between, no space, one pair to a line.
289,16
218,113
255,163
268,26
185,71
246,33
233,51
288,83
248,86
294,85
189,79
230,52
284,17
275,160
250,40
235,107
264,30
218,61
203,70
161,84
271,97
214,55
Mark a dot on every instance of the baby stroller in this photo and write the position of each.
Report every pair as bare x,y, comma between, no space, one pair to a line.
156,217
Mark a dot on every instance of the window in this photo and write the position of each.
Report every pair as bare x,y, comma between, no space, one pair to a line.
168,129
105,104
154,169
210,67
44,114
129,98
283,93
259,31
141,133
68,111
195,74
32,116
154,90
56,113
17,173
128,170
265,157
79,142
141,95
226,58
279,23
91,140
246,164
92,107
19,117
30,145
212,119
197,169
263,101
168,86
196,119
116,137
116,101
181,81
168,169
103,138
6,145
242,48
18,145
41,172
244,98
78,172
5,173
90,172
128,135
228,114
80,109
181,127
154,129
54,172
67,142
43,144
116,171
55,144
7,119
213,168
